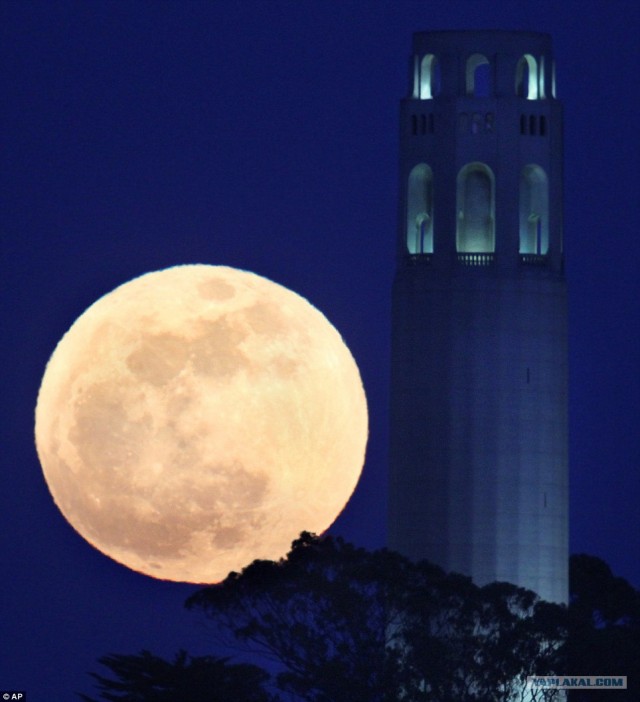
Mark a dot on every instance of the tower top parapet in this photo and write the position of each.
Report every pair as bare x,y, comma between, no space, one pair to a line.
481,155
517,63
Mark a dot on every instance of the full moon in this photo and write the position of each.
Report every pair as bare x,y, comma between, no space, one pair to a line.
197,418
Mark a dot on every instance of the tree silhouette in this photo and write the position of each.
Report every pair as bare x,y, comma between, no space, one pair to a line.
322,614
147,678
604,628
342,624
346,624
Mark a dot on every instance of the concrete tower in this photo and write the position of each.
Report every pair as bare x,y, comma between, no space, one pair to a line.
478,476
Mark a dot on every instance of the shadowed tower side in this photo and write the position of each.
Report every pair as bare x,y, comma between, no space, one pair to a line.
478,454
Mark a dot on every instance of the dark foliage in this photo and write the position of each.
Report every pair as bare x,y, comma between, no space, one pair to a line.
604,629
346,624
342,624
147,678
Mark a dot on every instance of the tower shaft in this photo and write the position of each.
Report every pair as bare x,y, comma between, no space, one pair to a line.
478,474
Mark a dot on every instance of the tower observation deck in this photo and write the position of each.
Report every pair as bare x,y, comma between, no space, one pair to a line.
478,452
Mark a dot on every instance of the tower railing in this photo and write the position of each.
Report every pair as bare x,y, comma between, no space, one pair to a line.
475,259
422,259
479,259
534,259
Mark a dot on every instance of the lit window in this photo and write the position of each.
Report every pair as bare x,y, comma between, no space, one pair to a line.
429,77
420,210
534,211
478,76
475,232
527,78
541,91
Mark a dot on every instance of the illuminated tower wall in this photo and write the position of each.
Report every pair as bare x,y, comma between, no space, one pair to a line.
478,474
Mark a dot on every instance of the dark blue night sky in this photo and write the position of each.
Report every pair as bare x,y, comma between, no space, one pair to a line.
263,135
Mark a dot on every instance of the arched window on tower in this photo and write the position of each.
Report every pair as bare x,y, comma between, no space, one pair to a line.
475,232
478,76
429,77
534,211
420,210
527,78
